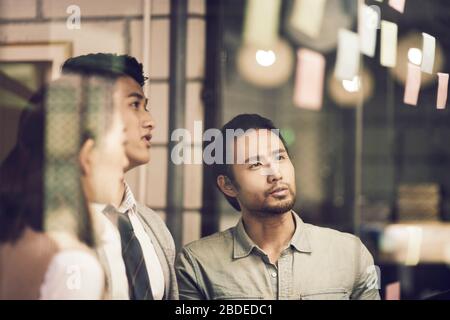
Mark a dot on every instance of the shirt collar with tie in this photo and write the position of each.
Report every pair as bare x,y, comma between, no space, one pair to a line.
128,202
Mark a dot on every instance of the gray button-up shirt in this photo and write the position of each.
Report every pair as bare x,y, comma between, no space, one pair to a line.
319,263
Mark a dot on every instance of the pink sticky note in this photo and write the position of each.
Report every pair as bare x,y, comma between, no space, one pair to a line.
308,92
398,5
393,291
412,86
442,90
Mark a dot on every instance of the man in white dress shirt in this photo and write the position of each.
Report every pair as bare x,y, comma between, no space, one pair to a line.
147,247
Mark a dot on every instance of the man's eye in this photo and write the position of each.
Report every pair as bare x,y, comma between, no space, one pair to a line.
255,165
135,104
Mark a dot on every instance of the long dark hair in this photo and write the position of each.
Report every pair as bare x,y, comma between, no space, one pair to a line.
21,176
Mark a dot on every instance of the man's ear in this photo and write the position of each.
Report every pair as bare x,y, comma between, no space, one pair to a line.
85,156
226,186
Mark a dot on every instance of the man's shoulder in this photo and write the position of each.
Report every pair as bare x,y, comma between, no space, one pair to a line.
149,214
219,242
324,236
156,224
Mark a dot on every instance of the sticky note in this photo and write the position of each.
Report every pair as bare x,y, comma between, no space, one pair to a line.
262,22
442,90
309,80
307,16
398,5
428,53
393,291
368,23
414,245
348,55
389,32
412,86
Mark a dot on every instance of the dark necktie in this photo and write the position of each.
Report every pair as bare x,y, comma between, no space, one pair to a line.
138,281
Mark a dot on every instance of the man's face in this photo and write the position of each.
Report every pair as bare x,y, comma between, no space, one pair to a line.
265,182
129,96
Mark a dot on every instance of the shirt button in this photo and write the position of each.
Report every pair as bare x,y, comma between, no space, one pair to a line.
274,274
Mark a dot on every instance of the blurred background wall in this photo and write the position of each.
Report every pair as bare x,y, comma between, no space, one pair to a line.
404,179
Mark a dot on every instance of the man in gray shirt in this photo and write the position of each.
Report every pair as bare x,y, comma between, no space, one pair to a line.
271,253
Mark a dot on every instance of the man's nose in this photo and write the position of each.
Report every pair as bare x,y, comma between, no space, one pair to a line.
148,121
273,173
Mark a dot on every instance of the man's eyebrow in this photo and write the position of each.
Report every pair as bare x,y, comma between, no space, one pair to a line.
279,151
258,158
136,95
252,159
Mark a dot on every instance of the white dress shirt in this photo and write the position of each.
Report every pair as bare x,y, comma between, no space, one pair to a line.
154,269
110,244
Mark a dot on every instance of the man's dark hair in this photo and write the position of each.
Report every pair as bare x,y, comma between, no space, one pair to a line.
106,64
241,122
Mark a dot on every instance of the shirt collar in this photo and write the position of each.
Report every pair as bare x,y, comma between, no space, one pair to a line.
128,202
97,207
300,240
243,245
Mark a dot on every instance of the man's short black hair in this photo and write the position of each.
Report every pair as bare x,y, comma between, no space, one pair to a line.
241,122
106,64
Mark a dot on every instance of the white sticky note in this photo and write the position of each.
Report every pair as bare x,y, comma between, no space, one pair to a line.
412,85
428,53
389,32
368,23
348,55
442,90
393,291
398,5
262,22
307,16
309,80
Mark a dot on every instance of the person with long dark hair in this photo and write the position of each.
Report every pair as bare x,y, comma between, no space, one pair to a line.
69,157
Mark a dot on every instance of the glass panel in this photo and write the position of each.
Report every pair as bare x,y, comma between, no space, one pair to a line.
365,162
18,81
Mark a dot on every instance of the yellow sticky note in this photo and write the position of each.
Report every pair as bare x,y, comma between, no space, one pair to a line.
389,32
348,55
262,22
428,53
412,85
307,16
442,90
398,5
310,75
